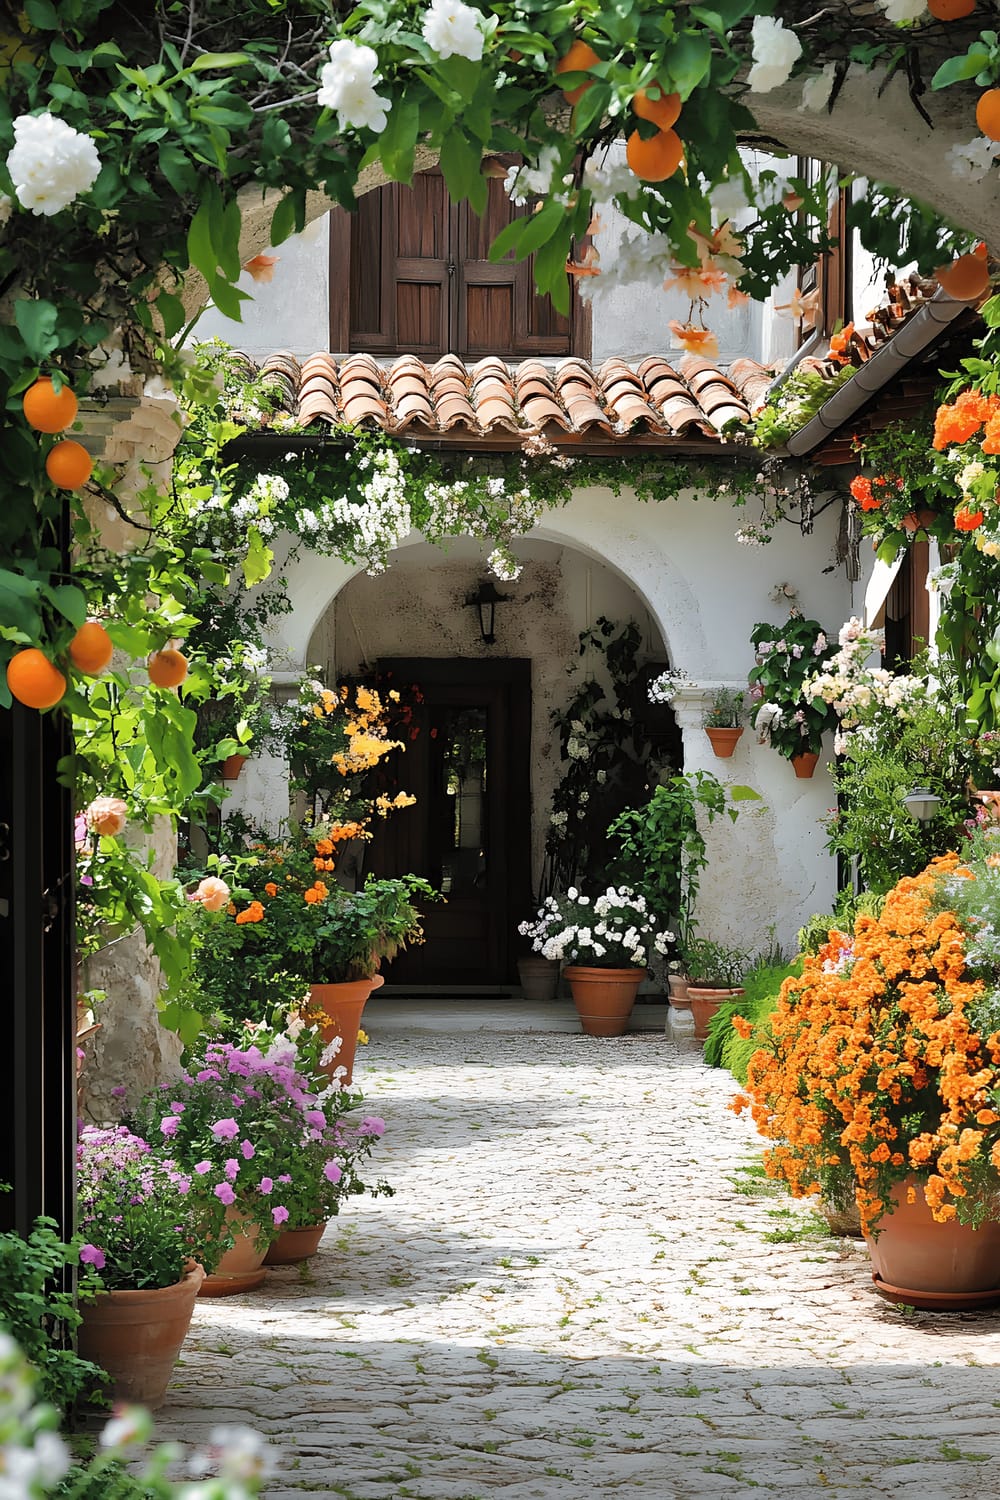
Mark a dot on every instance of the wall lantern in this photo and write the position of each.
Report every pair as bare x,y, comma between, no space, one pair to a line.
922,804
486,600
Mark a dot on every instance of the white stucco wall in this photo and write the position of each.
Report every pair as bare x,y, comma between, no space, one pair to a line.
703,592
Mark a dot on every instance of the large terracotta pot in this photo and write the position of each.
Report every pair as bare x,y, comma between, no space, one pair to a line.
136,1336
295,1245
927,1264
343,1005
241,1268
603,997
805,764
704,1003
539,977
724,740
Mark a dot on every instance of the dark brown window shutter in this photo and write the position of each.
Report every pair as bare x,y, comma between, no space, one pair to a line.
410,273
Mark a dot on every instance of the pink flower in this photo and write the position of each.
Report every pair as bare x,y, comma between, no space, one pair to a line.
248,1149
332,1172
168,1125
316,1118
212,893
90,1255
284,1177
207,1075
231,1168
106,816
372,1125
224,1130
266,1185
203,1167
279,1214
261,267
224,1193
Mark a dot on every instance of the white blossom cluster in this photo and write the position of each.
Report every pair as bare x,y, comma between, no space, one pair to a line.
900,12
971,162
663,689
375,520
607,179
616,928
503,564
347,85
50,163
452,29
776,50
943,579
851,687
541,181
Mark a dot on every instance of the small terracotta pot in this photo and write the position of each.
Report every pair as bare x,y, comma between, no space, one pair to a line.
724,740
136,1336
295,1245
343,1005
241,1268
678,987
704,1004
603,997
232,766
920,519
915,1259
805,764
539,977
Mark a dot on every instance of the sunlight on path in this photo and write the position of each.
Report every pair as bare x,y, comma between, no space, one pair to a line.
576,1291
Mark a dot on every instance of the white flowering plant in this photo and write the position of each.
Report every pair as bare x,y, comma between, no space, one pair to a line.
850,685
784,715
613,930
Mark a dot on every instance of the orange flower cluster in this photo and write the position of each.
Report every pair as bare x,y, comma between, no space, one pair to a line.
316,892
874,1070
962,419
253,913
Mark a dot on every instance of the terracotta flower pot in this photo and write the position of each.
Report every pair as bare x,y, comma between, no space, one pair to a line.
295,1245
704,1003
677,984
343,1005
917,520
919,1261
539,977
603,997
805,764
232,766
724,740
136,1336
241,1268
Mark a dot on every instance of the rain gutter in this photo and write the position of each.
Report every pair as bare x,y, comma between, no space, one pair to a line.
919,333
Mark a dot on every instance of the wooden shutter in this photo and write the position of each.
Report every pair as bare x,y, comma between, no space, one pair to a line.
418,280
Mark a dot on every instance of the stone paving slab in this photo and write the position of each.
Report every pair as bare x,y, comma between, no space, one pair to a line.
576,1291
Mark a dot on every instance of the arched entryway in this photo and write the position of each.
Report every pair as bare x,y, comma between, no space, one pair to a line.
482,751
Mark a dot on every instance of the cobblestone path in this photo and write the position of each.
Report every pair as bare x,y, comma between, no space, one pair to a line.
579,1290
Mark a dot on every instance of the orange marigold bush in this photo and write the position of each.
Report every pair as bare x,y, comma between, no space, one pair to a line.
875,1069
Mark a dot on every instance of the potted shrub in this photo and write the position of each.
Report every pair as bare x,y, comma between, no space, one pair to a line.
880,1081
607,942
148,1241
721,721
714,973
785,717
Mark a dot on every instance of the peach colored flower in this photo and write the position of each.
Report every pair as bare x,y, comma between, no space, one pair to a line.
693,340
803,307
261,267
106,816
212,893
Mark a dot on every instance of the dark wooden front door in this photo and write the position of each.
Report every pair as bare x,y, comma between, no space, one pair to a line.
467,761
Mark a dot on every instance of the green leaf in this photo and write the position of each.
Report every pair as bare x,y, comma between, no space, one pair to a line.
461,164
688,61
219,60
284,218
178,169
228,299
71,602
43,14
37,320
508,239
541,227
200,247
171,311
955,69
744,794
397,142
258,559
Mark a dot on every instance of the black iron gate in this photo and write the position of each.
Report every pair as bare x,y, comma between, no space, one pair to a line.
37,988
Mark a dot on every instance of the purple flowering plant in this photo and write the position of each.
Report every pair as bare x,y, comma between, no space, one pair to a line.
138,1219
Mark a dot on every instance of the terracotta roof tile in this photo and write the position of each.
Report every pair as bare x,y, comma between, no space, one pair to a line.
571,401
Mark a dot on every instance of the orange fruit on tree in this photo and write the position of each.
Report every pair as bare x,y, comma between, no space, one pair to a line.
90,650
578,59
988,114
33,679
69,465
656,159
45,410
167,668
950,10
663,112
965,279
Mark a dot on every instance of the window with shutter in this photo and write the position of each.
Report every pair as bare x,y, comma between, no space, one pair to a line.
410,273
831,273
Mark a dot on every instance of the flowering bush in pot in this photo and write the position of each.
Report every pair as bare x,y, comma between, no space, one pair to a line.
783,716
882,1070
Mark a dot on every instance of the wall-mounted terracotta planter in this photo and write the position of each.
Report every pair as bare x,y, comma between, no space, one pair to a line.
724,740
232,766
805,764
919,520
